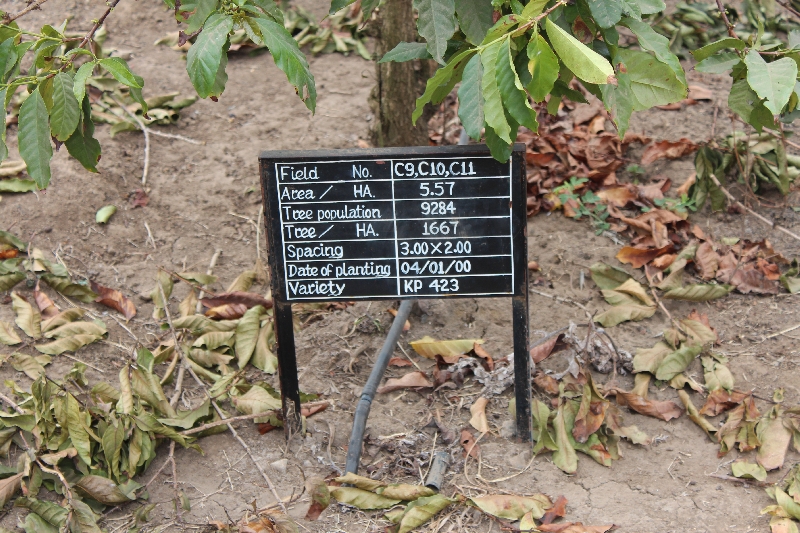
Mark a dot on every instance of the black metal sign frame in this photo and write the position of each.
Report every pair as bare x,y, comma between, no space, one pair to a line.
396,224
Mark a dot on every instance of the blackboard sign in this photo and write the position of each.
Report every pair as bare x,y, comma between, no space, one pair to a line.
395,223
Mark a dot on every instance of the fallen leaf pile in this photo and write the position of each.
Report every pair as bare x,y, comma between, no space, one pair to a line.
408,507
341,32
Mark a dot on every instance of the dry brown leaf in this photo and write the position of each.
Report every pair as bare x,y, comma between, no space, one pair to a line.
399,361
393,312
546,383
770,270
654,191
698,92
471,447
707,261
478,412
488,361
115,300
542,351
139,198
47,307
227,312
558,510
744,276
664,410
409,381
638,257
533,266
236,297
684,188
720,400
663,261
668,150
574,527
618,196
429,347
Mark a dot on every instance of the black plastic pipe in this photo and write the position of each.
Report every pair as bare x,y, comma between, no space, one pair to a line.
364,404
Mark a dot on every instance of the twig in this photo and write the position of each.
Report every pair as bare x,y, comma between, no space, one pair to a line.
171,136
34,5
55,471
219,411
739,480
200,429
789,8
740,205
666,312
787,330
728,24
150,238
178,503
563,300
210,271
83,362
11,403
201,288
146,132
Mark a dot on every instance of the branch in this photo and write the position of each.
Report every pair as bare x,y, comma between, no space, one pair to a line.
788,7
740,205
8,19
731,31
90,34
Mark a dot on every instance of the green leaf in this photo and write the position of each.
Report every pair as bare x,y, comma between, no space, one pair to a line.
470,108
584,62
101,489
543,66
77,328
716,375
649,359
204,57
656,43
67,344
564,457
34,138
652,82
512,507
441,78
651,7
28,318
104,214
436,24
66,112
69,289
338,5
619,101
247,334
10,238
33,367
698,293
422,510
263,358
3,146
500,149
187,419
710,49
773,81
15,185
8,336
118,67
256,400
511,91
534,8
79,83
51,513
64,317
622,313
406,52
36,524
113,439
606,12
474,18
360,498
82,519
203,9
289,59
745,102
677,361
719,64
76,425
493,109
82,145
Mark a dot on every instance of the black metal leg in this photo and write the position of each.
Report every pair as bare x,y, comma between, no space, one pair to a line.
287,367
522,367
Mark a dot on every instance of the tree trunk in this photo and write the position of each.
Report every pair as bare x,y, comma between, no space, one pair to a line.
399,84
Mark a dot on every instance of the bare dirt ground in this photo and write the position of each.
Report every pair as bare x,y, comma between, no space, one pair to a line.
200,197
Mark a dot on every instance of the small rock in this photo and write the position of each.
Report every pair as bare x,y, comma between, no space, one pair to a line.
521,460
307,464
145,296
508,430
280,465
652,491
